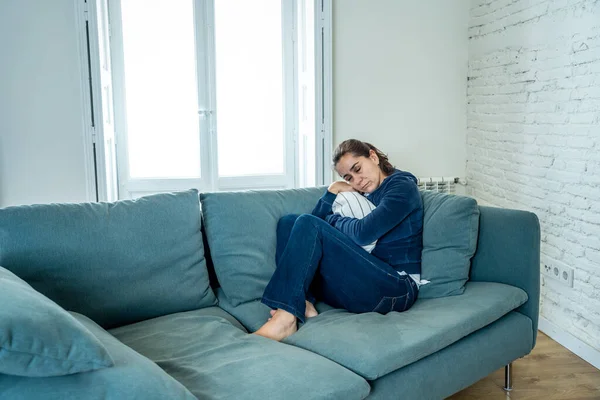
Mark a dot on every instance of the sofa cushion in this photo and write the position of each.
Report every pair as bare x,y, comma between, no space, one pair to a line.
38,338
133,376
461,364
253,314
216,360
117,262
241,231
373,345
450,227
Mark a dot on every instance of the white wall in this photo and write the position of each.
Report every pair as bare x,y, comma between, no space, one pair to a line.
399,80
41,106
399,70
534,138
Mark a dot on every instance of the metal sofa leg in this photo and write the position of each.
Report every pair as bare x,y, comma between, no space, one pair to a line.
508,377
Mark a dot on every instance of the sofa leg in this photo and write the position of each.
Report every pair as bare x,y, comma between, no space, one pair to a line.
508,377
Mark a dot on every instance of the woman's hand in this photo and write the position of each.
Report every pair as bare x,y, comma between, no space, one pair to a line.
340,186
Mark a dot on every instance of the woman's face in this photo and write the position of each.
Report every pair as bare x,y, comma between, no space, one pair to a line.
362,173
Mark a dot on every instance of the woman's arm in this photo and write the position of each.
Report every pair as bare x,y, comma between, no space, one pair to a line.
402,197
323,207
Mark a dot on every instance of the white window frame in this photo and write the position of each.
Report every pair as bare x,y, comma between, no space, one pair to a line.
133,187
87,40
323,91
274,181
204,12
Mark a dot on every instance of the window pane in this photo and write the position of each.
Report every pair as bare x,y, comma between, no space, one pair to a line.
161,89
249,87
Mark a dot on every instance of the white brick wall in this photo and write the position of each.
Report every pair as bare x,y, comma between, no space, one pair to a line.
533,138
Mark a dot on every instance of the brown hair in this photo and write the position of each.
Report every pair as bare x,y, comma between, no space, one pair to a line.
358,148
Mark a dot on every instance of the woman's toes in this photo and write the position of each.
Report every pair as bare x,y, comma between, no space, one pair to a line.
311,311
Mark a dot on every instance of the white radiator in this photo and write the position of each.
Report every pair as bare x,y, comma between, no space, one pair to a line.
441,184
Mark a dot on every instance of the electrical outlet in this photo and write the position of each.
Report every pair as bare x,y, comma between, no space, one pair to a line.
559,271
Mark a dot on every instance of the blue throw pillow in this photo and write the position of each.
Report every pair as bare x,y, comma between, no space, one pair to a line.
450,230
132,376
38,338
117,263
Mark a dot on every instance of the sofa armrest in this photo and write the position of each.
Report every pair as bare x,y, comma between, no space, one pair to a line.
508,251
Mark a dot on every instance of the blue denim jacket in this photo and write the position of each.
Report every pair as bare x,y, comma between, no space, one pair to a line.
396,222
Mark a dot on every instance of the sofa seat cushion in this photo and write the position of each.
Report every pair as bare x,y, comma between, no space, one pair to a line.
132,376
116,263
463,363
216,360
373,345
253,314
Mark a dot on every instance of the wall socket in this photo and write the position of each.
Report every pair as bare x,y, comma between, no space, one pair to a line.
560,272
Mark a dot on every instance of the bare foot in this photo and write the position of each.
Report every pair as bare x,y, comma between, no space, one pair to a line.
311,311
281,325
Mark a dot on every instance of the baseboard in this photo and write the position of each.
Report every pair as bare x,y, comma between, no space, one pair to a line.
564,338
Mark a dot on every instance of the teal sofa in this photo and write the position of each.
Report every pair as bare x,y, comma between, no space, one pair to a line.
154,298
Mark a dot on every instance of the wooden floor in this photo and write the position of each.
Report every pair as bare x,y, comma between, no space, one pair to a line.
549,372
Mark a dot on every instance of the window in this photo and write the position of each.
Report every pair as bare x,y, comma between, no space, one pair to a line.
213,94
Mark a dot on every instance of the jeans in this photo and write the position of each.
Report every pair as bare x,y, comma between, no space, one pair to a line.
316,261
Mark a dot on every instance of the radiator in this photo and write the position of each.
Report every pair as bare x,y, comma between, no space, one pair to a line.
438,184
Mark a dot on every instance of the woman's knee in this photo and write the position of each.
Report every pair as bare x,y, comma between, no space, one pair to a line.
309,220
287,221
284,228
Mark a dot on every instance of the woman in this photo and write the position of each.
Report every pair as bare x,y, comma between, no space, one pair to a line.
319,254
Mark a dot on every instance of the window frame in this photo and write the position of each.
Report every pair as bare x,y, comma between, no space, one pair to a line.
209,180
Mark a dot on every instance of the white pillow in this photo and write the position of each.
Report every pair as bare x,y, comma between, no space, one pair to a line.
355,205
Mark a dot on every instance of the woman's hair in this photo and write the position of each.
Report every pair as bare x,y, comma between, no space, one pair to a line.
358,148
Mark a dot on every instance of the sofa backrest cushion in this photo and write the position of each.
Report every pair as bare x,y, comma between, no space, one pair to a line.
241,231
450,229
39,338
116,263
